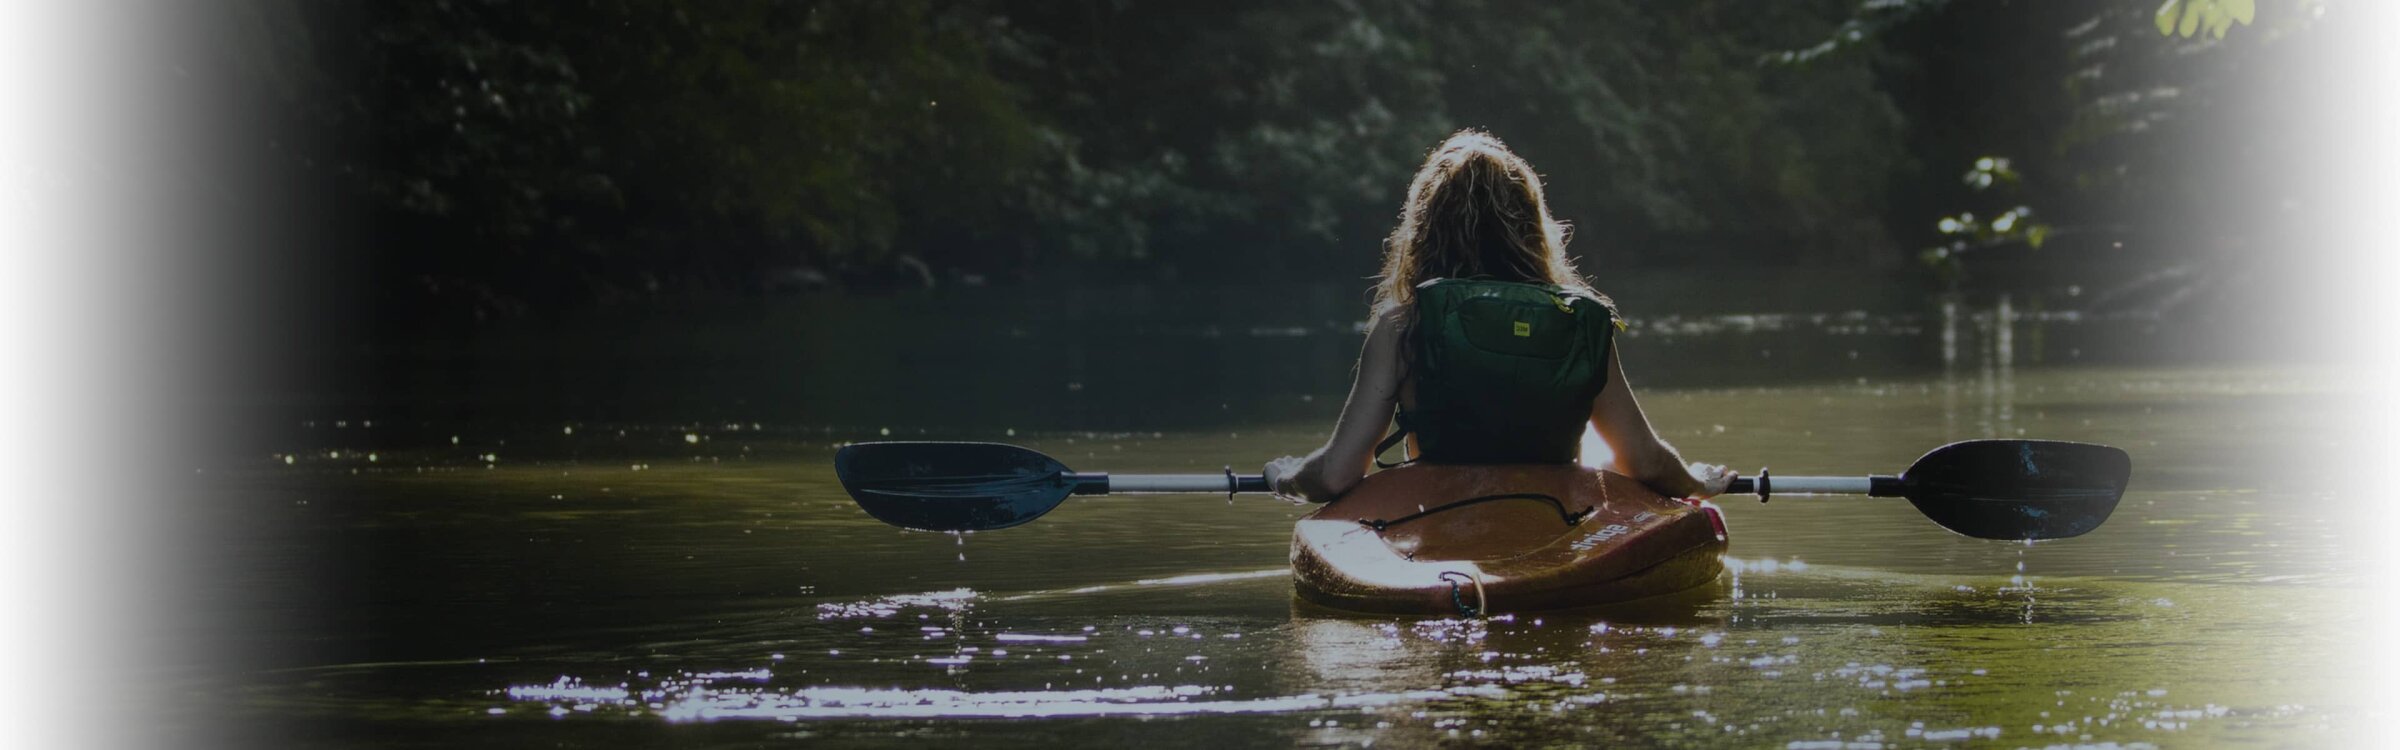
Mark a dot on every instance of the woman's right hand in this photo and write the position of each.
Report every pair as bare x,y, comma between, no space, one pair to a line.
1713,479
1280,474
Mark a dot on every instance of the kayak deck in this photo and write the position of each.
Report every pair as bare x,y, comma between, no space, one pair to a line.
1427,539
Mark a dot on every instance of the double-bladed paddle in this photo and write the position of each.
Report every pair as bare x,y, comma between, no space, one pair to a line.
1990,489
984,486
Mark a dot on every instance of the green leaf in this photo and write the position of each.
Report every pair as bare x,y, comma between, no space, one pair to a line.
2036,235
2244,11
2216,17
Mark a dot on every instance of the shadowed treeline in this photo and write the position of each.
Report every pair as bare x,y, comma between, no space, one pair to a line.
477,159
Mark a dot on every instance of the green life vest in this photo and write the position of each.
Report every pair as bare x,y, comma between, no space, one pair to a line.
1504,372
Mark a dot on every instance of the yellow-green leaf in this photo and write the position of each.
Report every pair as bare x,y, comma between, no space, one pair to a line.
2191,21
2036,235
2244,11
2166,16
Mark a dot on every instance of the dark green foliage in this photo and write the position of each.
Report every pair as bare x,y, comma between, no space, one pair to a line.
2167,153
492,156
557,153
1285,133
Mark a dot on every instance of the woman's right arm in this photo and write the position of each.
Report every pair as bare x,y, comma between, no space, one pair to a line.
1639,451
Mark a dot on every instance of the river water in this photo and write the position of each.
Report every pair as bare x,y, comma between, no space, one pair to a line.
459,574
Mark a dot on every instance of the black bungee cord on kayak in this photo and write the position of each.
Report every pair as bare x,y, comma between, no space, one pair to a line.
1452,577
1571,518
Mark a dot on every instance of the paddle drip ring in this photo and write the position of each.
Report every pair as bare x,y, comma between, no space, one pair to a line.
1452,577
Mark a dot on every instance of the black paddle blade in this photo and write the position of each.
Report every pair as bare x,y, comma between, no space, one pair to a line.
2018,489
951,486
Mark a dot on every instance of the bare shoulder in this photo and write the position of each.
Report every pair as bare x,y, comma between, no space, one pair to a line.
1389,322
1384,332
1380,357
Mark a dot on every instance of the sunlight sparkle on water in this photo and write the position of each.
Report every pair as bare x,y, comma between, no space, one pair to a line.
698,701
569,689
1035,638
953,600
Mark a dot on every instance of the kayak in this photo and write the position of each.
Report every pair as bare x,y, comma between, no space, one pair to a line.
1469,540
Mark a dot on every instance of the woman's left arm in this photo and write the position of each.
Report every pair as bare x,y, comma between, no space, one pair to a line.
1618,417
1342,461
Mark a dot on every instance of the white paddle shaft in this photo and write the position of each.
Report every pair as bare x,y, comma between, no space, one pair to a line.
1167,483
1821,485
1211,483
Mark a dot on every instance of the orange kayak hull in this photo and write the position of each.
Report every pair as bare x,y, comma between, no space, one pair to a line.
1447,540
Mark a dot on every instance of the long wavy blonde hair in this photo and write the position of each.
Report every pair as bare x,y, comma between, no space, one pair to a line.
1474,210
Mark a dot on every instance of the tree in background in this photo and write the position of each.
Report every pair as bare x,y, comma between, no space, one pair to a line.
2134,135
502,155
480,157
1277,137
